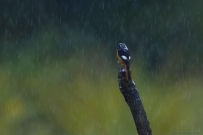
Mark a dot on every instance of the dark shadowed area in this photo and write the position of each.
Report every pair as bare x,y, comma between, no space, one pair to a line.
58,66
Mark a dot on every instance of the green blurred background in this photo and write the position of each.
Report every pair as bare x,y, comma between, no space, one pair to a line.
58,67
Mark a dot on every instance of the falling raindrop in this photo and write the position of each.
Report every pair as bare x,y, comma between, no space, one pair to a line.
91,73
81,66
83,50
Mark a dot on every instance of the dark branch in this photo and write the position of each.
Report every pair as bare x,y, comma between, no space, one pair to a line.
131,95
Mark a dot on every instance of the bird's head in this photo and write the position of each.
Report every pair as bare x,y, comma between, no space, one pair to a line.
122,46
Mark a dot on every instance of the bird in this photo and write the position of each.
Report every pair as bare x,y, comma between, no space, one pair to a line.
123,55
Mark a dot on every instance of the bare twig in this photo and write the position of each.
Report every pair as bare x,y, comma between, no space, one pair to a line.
131,95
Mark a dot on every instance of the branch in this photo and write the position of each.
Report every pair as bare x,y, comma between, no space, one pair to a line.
131,95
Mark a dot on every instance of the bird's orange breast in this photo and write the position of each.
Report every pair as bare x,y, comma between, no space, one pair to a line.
119,59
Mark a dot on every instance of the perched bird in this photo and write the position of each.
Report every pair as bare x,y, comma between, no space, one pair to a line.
123,55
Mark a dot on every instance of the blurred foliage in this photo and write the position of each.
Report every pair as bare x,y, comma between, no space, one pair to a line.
58,72
155,31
